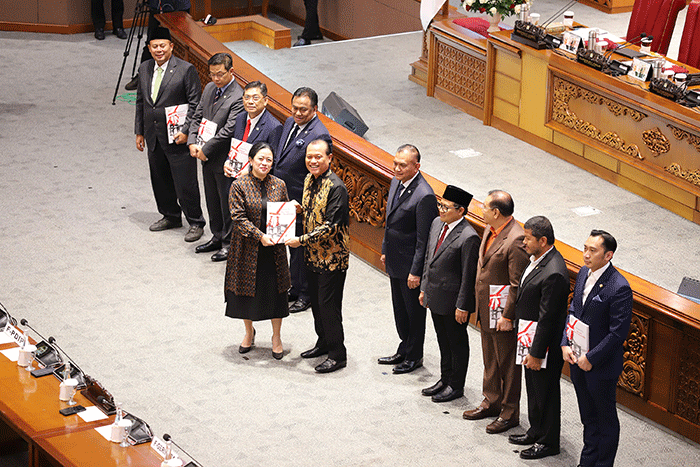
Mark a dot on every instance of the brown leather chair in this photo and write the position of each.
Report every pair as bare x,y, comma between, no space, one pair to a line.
689,52
655,18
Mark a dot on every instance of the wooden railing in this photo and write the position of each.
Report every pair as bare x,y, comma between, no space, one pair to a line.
661,373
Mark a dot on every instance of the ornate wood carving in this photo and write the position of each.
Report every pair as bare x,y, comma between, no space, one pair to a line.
367,197
656,141
424,47
635,356
680,134
461,74
693,176
565,91
688,392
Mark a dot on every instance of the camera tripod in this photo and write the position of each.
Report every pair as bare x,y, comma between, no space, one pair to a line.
141,14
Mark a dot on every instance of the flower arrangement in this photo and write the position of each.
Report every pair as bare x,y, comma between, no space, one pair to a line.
491,7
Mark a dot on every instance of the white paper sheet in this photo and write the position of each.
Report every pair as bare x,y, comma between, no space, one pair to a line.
5,339
11,354
92,413
105,431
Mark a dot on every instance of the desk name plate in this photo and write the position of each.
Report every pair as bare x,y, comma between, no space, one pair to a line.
17,335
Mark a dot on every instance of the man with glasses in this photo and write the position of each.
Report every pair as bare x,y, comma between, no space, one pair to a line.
409,212
502,260
447,289
210,140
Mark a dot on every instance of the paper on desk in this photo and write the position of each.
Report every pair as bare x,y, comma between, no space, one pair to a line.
105,431
12,354
92,413
5,339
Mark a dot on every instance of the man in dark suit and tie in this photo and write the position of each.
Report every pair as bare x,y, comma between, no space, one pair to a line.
165,82
256,123
447,289
542,299
410,210
222,100
603,301
299,130
502,260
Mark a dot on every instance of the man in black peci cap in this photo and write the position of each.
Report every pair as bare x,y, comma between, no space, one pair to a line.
447,290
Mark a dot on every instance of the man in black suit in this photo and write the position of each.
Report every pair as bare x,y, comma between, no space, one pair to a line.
165,82
603,301
447,289
299,130
221,102
542,298
410,210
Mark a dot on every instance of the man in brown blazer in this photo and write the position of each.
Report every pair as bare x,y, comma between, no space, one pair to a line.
502,260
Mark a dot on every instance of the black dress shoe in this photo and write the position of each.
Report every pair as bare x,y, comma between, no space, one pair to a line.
313,353
330,365
434,389
220,255
300,305
393,360
522,440
99,34
292,298
447,394
164,224
538,451
407,366
119,32
479,413
301,41
133,84
211,245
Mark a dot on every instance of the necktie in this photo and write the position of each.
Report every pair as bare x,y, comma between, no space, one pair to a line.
442,237
397,195
247,130
292,136
156,84
217,95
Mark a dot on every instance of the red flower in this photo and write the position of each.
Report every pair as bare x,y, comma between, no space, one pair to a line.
482,9
512,6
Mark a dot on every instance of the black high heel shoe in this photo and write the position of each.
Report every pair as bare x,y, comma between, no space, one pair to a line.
242,349
278,355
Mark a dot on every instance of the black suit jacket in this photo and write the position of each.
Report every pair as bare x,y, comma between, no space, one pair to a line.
180,85
542,297
223,113
268,129
407,227
290,163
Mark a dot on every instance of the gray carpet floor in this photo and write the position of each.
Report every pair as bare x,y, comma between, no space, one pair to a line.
142,313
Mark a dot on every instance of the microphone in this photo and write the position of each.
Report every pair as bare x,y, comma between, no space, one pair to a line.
626,44
558,12
52,341
167,437
24,322
6,317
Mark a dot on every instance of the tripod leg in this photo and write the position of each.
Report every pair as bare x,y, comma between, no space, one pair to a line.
140,14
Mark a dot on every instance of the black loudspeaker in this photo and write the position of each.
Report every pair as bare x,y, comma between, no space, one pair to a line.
690,289
338,110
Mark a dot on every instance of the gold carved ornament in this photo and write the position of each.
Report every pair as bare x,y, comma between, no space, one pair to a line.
634,356
688,390
680,134
366,196
565,91
656,141
692,176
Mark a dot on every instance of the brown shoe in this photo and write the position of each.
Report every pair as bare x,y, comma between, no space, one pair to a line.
479,413
194,234
500,425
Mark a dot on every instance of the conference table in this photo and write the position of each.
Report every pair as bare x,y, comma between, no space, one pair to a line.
29,411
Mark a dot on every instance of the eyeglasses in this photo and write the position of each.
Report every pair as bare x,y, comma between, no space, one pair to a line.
444,207
218,75
254,98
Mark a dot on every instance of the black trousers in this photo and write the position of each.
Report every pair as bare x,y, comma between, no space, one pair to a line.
601,427
544,403
216,193
311,27
97,9
175,186
326,290
409,316
297,267
453,341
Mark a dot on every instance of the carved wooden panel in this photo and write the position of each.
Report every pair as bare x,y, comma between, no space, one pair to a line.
688,390
367,196
635,356
181,51
424,47
461,74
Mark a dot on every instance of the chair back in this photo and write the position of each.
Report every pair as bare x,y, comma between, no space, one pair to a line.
655,18
691,35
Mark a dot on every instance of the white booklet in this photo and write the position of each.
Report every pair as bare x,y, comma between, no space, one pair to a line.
175,117
577,335
205,132
526,334
238,156
498,294
281,219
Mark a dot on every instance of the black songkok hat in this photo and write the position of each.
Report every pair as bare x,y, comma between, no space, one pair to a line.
160,33
457,195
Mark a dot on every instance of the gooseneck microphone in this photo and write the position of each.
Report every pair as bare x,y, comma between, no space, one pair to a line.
52,341
24,322
167,437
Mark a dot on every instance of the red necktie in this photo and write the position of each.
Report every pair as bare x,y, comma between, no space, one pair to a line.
442,237
247,130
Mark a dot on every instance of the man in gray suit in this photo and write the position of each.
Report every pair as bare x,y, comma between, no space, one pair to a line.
222,101
410,210
166,82
447,289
